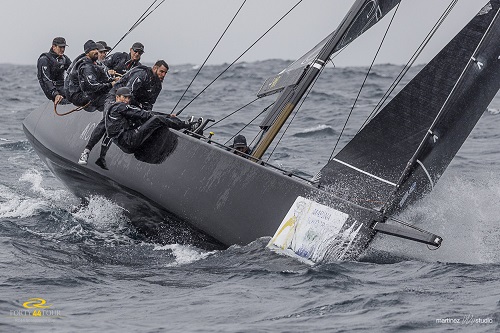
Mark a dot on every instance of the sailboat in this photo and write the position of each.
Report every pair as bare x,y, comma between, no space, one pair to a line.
395,159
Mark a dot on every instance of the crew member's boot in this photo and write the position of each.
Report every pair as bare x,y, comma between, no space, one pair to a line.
101,161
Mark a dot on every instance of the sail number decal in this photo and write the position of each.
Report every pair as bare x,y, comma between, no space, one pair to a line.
87,131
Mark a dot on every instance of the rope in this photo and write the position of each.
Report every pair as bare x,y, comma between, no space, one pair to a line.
71,111
230,65
138,22
364,81
232,113
216,44
248,124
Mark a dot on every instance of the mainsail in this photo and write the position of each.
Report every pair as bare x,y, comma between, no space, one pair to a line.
362,15
403,150
370,12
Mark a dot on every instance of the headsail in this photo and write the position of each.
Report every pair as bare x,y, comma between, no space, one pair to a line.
370,13
426,123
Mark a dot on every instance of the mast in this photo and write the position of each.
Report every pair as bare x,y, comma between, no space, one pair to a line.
291,95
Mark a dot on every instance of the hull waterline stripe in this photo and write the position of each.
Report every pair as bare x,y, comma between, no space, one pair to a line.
364,172
427,173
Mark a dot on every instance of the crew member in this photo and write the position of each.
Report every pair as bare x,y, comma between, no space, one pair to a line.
94,82
129,126
122,62
240,145
103,43
72,83
145,84
102,50
51,67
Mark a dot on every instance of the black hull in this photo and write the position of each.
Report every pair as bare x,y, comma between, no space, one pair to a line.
225,196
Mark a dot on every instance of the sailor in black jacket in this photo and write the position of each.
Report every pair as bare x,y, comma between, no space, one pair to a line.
122,62
87,85
94,83
144,82
51,67
129,126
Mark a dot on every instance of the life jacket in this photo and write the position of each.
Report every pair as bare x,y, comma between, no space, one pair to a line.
57,67
71,82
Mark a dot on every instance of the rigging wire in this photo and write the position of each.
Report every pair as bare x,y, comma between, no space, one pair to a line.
229,115
138,22
364,81
296,111
248,124
410,62
231,64
213,49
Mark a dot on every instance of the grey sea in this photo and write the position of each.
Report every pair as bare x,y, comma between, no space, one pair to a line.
71,268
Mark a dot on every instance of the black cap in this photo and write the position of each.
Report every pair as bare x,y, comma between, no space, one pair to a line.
138,47
100,47
123,91
103,43
89,46
239,141
59,41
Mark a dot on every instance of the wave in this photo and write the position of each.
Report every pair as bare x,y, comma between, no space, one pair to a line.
318,131
464,211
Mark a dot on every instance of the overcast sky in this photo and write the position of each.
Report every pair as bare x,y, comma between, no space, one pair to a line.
184,31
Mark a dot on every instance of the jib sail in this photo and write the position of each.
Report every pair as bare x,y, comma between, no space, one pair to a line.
403,150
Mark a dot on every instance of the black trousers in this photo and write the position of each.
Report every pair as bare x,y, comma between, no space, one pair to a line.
129,141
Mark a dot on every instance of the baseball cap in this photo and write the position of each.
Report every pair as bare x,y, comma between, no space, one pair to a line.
123,91
239,141
59,41
89,46
138,47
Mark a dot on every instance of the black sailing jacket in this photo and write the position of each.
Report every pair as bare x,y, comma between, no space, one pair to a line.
51,68
121,117
120,62
93,81
144,85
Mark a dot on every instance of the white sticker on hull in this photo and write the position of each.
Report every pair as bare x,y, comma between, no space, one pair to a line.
87,131
312,232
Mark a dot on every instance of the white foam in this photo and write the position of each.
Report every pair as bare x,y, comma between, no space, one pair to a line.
184,254
21,207
102,213
315,129
35,178
18,205
464,212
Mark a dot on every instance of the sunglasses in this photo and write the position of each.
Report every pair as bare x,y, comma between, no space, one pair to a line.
138,51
